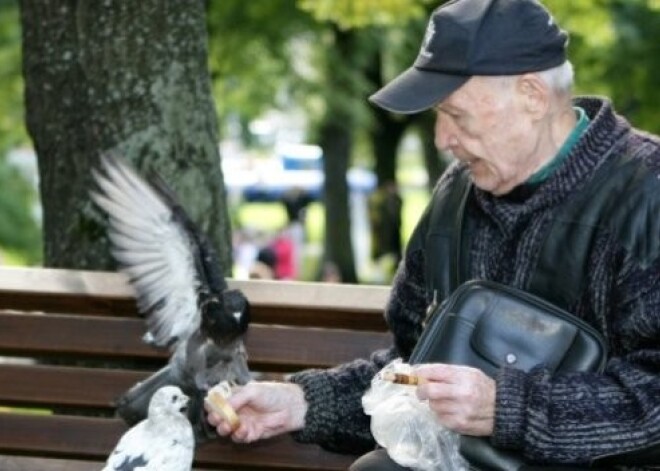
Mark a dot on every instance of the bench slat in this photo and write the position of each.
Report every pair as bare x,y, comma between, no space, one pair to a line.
312,316
23,385
273,302
289,348
119,338
39,334
93,438
24,463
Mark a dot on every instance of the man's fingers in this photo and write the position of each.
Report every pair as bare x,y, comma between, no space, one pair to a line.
463,398
441,372
240,397
240,435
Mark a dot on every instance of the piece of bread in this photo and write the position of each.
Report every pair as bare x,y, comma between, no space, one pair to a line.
402,378
216,400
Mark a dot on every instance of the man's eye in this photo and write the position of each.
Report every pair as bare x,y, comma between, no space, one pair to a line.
452,114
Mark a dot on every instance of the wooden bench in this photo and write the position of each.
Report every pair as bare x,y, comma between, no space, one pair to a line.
60,416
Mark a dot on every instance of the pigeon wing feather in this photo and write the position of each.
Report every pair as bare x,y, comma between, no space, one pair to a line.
207,262
153,249
132,449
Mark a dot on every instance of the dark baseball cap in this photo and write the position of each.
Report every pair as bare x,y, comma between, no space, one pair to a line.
475,37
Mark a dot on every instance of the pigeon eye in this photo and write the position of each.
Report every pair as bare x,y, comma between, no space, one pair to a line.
174,398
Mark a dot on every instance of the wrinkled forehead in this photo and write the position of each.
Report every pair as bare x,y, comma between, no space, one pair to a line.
478,91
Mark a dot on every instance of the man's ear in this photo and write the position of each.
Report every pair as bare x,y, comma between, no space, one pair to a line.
534,94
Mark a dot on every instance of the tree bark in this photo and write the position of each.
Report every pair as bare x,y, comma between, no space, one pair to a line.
386,136
128,76
336,140
435,162
387,129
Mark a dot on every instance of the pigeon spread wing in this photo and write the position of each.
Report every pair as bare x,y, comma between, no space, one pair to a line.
153,249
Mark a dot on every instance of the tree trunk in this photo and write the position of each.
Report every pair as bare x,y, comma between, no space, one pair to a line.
387,129
386,136
434,161
336,140
128,76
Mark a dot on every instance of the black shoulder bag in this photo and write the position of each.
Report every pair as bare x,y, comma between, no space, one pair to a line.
488,325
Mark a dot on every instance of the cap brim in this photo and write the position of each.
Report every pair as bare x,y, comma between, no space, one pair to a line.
416,90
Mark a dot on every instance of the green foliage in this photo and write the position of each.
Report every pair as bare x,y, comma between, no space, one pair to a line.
19,232
12,129
274,53
349,14
635,65
253,54
616,53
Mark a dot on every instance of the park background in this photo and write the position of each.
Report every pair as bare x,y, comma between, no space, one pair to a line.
209,93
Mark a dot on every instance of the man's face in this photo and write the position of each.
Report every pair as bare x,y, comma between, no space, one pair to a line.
483,123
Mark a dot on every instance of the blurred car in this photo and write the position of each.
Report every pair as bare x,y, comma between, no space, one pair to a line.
294,167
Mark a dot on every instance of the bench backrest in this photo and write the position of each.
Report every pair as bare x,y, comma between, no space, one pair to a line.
66,338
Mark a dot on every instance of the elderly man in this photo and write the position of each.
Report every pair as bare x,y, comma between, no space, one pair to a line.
497,76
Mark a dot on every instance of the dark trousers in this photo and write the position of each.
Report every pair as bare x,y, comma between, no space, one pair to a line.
378,460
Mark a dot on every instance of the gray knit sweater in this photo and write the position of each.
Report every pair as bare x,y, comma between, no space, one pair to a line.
569,418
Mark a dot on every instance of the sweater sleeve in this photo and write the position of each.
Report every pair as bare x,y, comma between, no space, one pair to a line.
578,417
335,418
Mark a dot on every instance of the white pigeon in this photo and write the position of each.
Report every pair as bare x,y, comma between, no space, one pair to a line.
162,442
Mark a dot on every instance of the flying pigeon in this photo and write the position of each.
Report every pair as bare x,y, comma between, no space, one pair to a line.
162,442
179,286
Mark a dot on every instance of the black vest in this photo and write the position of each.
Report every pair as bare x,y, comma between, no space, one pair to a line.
622,197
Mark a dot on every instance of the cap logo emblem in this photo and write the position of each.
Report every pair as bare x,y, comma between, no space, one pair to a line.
428,36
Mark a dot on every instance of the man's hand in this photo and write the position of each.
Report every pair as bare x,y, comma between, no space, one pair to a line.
265,409
463,398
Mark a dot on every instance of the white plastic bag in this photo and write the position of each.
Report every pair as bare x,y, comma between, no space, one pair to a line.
407,427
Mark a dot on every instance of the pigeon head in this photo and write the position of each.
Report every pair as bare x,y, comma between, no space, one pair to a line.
168,400
225,318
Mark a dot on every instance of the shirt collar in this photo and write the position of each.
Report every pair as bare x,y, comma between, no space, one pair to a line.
544,172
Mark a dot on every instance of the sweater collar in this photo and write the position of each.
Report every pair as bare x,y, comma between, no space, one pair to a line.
544,172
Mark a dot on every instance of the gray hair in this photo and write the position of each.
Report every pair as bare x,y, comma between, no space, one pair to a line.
559,79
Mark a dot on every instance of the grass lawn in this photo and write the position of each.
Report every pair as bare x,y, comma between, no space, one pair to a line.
9,258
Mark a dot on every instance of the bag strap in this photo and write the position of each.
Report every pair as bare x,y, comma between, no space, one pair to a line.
444,238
